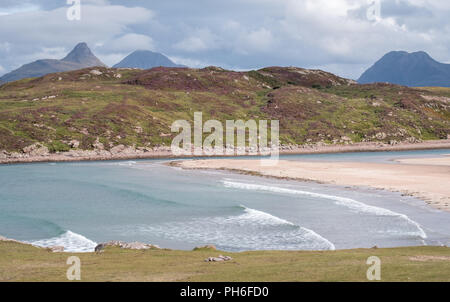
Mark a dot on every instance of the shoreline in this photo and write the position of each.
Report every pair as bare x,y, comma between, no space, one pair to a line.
428,182
165,153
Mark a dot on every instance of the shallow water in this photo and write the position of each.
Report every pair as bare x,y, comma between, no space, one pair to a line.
77,205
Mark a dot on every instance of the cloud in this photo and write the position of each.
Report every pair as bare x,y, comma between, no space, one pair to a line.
200,40
242,34
34,35
9,9
129,42
260,40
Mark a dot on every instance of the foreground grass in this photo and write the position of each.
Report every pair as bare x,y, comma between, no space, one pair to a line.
20,262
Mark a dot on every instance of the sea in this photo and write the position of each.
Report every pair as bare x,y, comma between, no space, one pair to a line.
80,204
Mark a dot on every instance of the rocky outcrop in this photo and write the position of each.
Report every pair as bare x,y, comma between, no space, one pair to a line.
126,245
36,149
218,259
205,247
56,249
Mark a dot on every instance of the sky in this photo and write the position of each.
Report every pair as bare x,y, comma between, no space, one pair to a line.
340,36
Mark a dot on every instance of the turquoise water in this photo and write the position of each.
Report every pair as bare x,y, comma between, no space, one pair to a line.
80,204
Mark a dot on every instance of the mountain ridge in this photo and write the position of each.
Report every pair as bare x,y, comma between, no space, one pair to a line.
80,57
416,69
145,59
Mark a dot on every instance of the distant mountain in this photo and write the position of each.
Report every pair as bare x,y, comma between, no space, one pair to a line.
145,59
80,57
416,69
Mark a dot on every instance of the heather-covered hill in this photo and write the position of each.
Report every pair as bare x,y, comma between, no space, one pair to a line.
100,108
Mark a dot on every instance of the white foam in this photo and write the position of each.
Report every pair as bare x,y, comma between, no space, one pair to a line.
72,242
251,230
127,163
341,201
259,217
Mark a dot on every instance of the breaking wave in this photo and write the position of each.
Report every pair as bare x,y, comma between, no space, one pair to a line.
72,242
249,230
341,201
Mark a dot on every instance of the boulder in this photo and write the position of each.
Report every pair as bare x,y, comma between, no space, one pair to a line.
380,135
98,145
218,259
36,149
96,72
56,249
3,155
206,247
126,245
117,149
74,143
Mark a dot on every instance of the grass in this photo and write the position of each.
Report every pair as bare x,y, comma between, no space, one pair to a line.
21,262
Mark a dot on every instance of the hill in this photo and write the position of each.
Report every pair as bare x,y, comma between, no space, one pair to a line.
80,57
145,59
100,108
416,69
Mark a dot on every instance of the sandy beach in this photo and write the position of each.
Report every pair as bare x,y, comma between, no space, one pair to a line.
425,178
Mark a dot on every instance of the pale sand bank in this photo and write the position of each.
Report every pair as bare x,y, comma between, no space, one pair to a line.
425,179
439,161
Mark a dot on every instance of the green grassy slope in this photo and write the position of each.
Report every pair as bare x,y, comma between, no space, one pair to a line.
135,107
26,263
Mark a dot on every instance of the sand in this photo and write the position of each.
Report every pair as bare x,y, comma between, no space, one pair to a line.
439,161
425,178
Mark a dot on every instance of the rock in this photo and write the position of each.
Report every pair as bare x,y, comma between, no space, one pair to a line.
412,140
125,245
139,246
393,142
36,149
74,143
117,149
380,135
218,259
96,72
206,247
98,145
56,249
